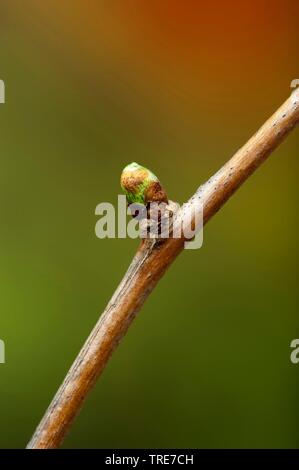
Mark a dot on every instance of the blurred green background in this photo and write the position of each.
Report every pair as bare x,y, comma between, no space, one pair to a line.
178,87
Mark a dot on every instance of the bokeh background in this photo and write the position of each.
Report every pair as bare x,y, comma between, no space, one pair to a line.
177,86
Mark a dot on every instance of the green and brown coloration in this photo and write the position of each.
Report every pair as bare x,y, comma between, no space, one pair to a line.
148,266
141,186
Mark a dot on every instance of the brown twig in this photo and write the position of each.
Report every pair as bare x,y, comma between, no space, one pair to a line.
149,264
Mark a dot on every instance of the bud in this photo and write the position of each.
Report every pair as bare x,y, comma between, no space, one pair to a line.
141,186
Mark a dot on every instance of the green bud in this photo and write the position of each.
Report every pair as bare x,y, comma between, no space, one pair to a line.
141,186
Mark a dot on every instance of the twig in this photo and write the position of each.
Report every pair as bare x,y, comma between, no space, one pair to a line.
149,264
